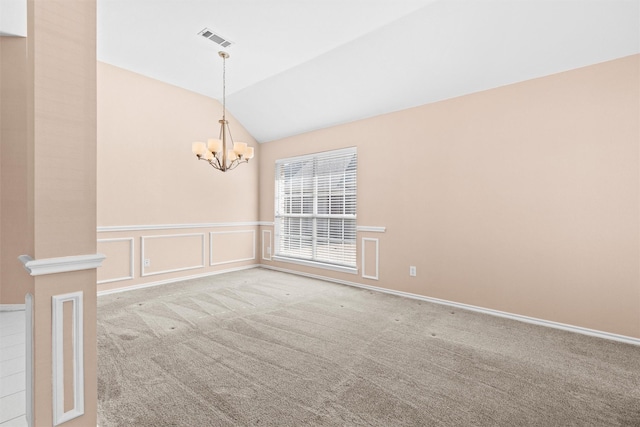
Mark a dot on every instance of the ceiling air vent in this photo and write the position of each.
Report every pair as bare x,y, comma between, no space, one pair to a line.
216,38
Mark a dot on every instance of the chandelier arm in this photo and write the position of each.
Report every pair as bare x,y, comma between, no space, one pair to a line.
236,163
218,162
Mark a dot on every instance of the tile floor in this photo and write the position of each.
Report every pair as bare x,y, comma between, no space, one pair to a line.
12,369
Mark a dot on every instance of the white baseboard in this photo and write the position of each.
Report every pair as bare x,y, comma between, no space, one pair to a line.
518,317
12,307
177,279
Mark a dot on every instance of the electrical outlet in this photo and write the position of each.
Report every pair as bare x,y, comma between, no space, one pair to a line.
412,270
147,262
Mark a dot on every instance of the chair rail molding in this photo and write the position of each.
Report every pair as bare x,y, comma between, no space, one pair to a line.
141,227
371,229
39,267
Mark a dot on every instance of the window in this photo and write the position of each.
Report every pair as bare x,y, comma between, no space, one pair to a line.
315,218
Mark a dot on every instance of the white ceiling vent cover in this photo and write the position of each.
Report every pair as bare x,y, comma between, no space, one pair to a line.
216,38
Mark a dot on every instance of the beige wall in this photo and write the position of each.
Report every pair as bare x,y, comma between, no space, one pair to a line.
14,223
61,180
147,176
1,97
523,199
48,179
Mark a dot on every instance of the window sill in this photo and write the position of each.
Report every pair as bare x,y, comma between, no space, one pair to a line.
316,264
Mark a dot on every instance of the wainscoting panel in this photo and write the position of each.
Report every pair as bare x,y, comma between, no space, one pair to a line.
119,264
231,246
68,357
370,258
171,253
266,245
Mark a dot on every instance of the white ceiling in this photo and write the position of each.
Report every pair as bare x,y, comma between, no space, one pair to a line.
300,65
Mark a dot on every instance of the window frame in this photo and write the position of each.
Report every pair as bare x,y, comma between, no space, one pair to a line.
349,202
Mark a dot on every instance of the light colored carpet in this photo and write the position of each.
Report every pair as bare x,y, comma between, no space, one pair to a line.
259,347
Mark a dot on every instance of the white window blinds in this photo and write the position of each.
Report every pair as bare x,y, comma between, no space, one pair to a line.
315,216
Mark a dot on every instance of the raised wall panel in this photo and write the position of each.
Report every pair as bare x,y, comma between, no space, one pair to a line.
267,248
226,247
119,264
68,356
370,258
172,252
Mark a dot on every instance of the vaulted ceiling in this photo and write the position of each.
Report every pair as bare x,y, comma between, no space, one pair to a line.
301,65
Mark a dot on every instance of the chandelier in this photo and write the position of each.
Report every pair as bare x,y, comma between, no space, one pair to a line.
215,151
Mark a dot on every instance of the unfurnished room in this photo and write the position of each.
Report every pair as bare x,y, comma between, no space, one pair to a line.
319,213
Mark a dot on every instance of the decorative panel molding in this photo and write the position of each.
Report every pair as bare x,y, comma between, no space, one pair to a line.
130,258
38,267
58,327
267,249
237,258
372,244
143,254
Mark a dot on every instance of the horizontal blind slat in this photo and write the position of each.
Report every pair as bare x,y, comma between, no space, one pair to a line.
316,207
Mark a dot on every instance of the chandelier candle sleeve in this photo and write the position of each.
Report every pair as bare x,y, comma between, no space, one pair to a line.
223,154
